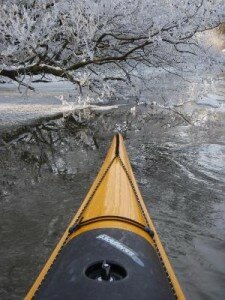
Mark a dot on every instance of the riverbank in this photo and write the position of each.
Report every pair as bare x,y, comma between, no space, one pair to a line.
19,105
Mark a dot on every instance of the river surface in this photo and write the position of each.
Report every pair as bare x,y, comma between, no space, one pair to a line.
179,163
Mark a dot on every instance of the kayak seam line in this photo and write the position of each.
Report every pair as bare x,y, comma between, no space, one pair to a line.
45,275
79,216
95,190
117,149
135,192
146,220
111,217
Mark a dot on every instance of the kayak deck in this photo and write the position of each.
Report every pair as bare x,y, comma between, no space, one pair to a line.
112,227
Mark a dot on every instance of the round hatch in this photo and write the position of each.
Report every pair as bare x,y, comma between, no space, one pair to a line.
106,271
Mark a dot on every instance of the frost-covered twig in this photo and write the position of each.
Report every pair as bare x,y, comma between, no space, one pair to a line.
82,40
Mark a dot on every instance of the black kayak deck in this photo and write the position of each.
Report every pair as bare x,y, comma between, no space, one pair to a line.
137,273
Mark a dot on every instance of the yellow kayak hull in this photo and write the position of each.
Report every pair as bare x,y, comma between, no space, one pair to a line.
113,202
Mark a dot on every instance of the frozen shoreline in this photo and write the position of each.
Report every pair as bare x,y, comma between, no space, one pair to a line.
18,110
55,99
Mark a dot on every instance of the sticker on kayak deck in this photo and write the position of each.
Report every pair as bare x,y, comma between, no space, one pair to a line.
118,245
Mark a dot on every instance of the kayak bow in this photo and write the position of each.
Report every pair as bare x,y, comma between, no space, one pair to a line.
111,249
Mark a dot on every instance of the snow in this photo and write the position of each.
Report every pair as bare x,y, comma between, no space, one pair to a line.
48,100
209,100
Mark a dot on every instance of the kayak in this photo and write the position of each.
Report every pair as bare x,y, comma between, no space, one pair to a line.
111,249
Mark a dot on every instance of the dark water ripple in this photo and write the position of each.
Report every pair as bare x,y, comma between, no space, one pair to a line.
180,168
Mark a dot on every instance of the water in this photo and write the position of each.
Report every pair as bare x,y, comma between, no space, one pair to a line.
179,163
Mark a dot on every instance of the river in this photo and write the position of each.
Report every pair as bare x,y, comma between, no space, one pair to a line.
178,157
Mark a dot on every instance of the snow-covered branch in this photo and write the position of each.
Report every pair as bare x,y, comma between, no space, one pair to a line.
78,40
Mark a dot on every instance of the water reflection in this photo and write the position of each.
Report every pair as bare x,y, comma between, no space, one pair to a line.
47,170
